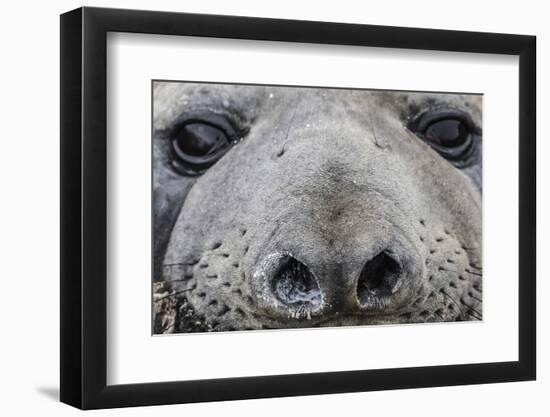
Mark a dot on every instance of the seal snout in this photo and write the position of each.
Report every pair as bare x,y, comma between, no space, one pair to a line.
288,287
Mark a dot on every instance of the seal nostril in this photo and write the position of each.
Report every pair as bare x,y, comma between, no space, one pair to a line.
295,285
379,278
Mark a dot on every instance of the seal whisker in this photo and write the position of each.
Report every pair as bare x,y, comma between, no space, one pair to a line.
470,308
172,294
190,263
471,295
178,279
445,294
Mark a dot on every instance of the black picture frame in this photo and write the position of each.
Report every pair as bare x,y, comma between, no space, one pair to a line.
84,207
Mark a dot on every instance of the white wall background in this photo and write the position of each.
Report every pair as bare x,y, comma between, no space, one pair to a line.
29,177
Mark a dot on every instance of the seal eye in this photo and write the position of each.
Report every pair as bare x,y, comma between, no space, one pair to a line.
200,141
449,131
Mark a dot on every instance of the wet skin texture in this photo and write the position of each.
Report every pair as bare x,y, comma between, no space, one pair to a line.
279,207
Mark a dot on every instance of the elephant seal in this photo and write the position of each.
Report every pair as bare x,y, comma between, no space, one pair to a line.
292,207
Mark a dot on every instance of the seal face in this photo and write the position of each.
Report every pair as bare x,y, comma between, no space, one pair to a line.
291,207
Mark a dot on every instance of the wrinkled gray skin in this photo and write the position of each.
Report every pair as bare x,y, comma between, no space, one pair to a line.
331,178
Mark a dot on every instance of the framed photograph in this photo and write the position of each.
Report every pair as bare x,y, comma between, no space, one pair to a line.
255,208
